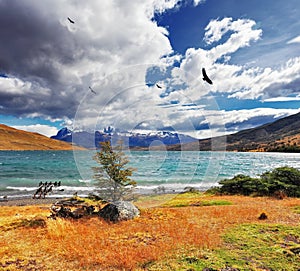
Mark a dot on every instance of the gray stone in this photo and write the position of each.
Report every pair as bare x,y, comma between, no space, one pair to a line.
119,211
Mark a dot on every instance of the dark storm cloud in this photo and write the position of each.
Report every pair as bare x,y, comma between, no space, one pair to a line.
49,62
249,123
47,105
32,41
282,89
35,47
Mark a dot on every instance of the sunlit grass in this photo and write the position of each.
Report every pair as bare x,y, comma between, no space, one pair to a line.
297,209
185,236
194,199
245,247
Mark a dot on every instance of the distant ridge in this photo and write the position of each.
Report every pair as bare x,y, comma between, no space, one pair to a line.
13,139
134,140
282,135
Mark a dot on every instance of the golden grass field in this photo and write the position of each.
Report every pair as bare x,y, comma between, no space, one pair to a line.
14,139
157,240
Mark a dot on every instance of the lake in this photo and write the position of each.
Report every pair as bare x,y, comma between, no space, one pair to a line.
21,171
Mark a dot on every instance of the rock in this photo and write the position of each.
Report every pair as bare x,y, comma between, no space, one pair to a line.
119,211
263,216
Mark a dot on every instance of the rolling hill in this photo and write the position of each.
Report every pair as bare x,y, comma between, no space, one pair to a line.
280,135
14,139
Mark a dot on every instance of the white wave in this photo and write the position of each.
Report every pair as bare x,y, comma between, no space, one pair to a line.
85,181
66,195
61,188
21,188
77,188
177,186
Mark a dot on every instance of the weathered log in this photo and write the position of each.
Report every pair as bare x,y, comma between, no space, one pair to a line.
65,209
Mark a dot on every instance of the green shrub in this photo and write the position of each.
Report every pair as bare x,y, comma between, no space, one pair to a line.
285,180
243,185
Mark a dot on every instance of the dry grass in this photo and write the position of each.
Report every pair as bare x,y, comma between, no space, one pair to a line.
14,139
92,244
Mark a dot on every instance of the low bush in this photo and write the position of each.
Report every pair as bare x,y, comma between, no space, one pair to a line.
280,182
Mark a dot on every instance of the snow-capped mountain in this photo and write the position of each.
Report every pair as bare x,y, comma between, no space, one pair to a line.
130,139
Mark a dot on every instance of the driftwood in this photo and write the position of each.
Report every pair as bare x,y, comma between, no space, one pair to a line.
76,208
71,208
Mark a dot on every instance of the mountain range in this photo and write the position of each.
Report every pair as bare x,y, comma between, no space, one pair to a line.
91,140
280,135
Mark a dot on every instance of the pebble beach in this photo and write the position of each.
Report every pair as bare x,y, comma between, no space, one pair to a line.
26,201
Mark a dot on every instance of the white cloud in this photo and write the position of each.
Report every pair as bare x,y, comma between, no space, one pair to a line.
242,29
63,59
197,2
129,104
237,120
282,99
267,83
223,75
294,40
239,81
243,34
110,47
216,29
38,128
240,116
15,86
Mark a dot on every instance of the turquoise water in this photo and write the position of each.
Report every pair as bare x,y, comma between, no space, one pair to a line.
21,171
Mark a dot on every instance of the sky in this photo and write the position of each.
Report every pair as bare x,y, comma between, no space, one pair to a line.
136,65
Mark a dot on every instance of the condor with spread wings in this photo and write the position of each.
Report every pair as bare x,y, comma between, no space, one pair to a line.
92,90
71,21
205,77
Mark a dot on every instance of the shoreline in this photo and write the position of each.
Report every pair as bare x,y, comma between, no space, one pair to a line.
26,201
29,201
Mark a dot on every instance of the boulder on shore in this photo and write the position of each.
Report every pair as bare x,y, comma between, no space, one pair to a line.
119,211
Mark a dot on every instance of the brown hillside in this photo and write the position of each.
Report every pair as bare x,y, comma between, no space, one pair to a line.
14,139
282,135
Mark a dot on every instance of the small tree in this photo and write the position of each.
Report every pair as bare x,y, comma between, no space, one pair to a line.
112,175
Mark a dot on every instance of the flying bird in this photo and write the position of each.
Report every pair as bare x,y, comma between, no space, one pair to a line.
205,77
71,21
158,86
92,90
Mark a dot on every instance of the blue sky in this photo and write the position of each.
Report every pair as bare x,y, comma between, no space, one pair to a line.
278,20
122,49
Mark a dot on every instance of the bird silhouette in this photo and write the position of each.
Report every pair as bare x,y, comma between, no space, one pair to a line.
71,21
158,86
92,90
205,77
